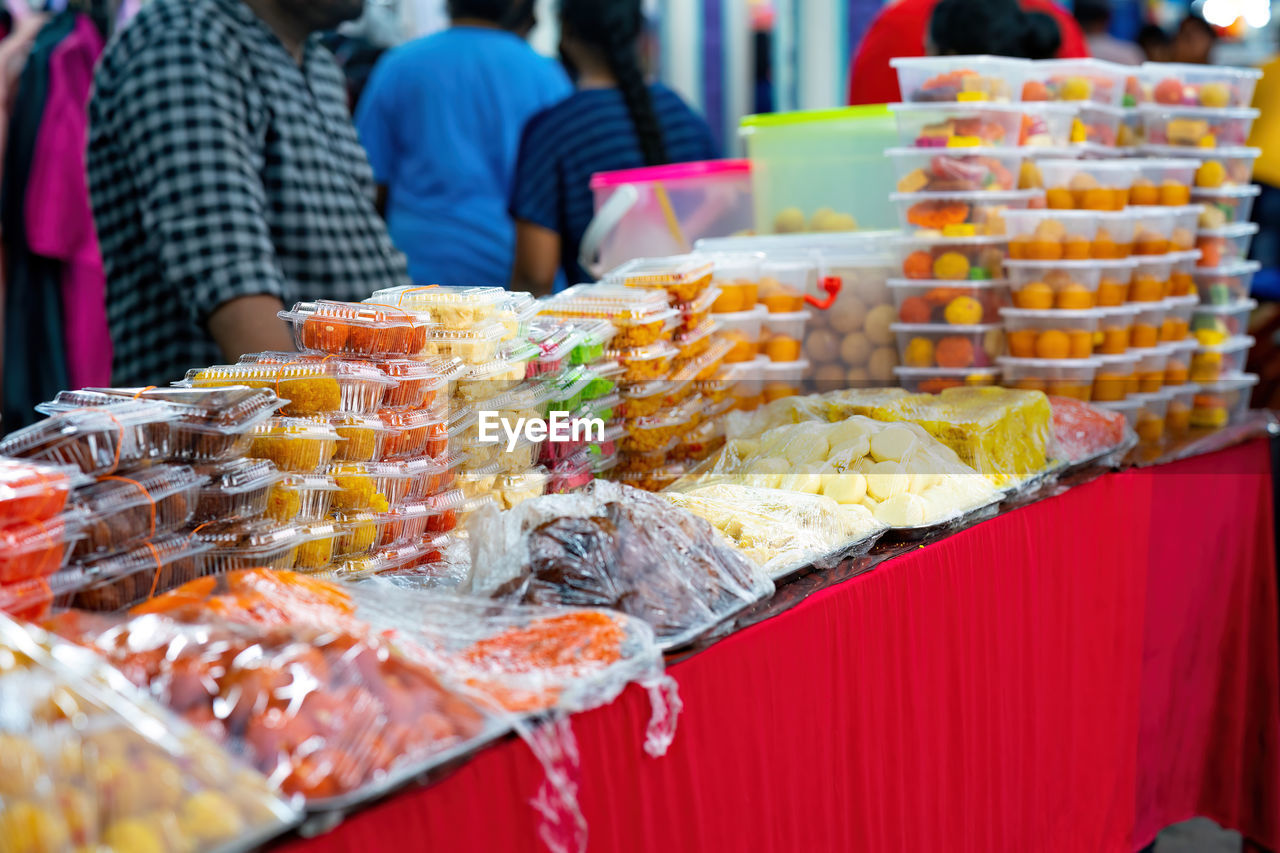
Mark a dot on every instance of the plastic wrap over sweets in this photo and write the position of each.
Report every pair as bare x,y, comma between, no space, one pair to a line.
276,666
781,531
87,762
1083,433
901,474
618,548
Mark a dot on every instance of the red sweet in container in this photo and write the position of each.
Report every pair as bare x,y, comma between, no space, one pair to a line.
418,383
445,511
37,549
31,491
352,328
414,432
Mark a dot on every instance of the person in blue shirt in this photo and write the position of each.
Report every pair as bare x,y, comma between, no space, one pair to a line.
441,119
613,121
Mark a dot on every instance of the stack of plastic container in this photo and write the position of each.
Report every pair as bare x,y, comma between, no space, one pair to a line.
38,536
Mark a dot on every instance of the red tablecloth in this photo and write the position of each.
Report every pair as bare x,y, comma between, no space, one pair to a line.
1071,677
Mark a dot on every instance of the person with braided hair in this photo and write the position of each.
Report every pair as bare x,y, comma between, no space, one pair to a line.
615,120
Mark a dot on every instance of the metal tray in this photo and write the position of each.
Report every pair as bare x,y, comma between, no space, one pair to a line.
856,548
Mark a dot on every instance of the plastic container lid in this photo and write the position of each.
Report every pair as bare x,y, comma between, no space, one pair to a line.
149,557
1232,268
34,491
1228,191
242,475
433,297
1202,112
981,196
1232,152
141,488
1065,363
1230,383
673,172
1231,231
618,308
97,440
1232,344
661,272
653,352
355,328
1055,313
1229,308
216,410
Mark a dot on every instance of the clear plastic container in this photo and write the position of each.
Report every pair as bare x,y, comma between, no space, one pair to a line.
784,379
1177,320
639,317
315,551
37,549
1152,279
959,214
642,364
1198,127
299,445
361,437
1226,205
744,329
515,489
456,308
1075,80
1185,221
934,380
1214,324
236,544
964,79
1126,407
1114,237
1148,323
358,532
923,170
1153,230
938,302
311,387
555,341
301,497
645,399
784,336
1163,182
414,433
1058,377
1132,133
354,329
1226,284
1219,167
477,344
377,485
429,477
495,377
124,509
1222,403
1182,280
783,285
1152,364
1226,245
1114,281
1211,363
404,524
236,489
949,346
1051,334
1098,125
1051,235
214,423
1216,86
1177,370
479,481
33,491
1115,327
1048,125
123,580
97,441
1149,422
1177,418
418,383
657,433
1117,376
595,337
694,342
959,125
1071,285
952,260
736,277
681,277
1087,184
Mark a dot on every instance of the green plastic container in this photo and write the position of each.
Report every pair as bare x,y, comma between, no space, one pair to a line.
822,170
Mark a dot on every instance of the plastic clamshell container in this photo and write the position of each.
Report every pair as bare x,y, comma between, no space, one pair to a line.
214,423
364,485
1219,167
236,544
355,329
1226,245
1222,403
1115,327
97,441
937,302
1211,363
1077,80
412,433
301,445
37,549
1226,205
959,170
236,489
682,277
933,380
964,79
418,383
655,434
125,509
361,437
33,491
1226,284
1182,84
1098,125
1177,370
1114,280
1177,320
1087,184
639,317
959,125
1051,334
1152,279
315,551
1057,377
493,378
476,344
959,214
301,497
595,336
115,582
644,363
555,341
457,308
949,346
951,260
358,532
1214,324
1054,284
429,477
1163,181
404,524
311,387
1197,127
1117,376
516,488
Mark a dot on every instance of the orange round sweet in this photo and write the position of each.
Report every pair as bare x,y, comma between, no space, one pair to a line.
954,351
1144,193
1174,194
1109,387
1115,340
1074,297
1059,198
1034,90
1035,295
1075,248
915,309
1053,344
1144,335
1070,388
1081,343
1146,288
1044,250
1210,251
1181,284
918,265
1098,198
1031,383
1112,293
1022,343
1105,247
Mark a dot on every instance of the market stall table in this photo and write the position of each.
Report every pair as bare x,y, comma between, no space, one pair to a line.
1074,675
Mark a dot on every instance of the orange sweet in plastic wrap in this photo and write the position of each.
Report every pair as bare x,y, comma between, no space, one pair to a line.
1081,431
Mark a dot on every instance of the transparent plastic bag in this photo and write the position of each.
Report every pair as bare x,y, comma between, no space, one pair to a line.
1082,432
277,666
618,548
91,763
905,477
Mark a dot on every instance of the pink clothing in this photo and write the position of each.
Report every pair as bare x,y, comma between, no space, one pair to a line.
59,219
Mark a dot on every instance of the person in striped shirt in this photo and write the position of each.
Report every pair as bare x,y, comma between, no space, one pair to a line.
615,120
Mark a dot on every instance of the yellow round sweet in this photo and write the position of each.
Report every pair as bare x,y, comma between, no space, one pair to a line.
919,353
1211,174
1076,89
210,817
963,311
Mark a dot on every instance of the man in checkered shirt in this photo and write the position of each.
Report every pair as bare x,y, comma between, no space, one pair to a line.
227,182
